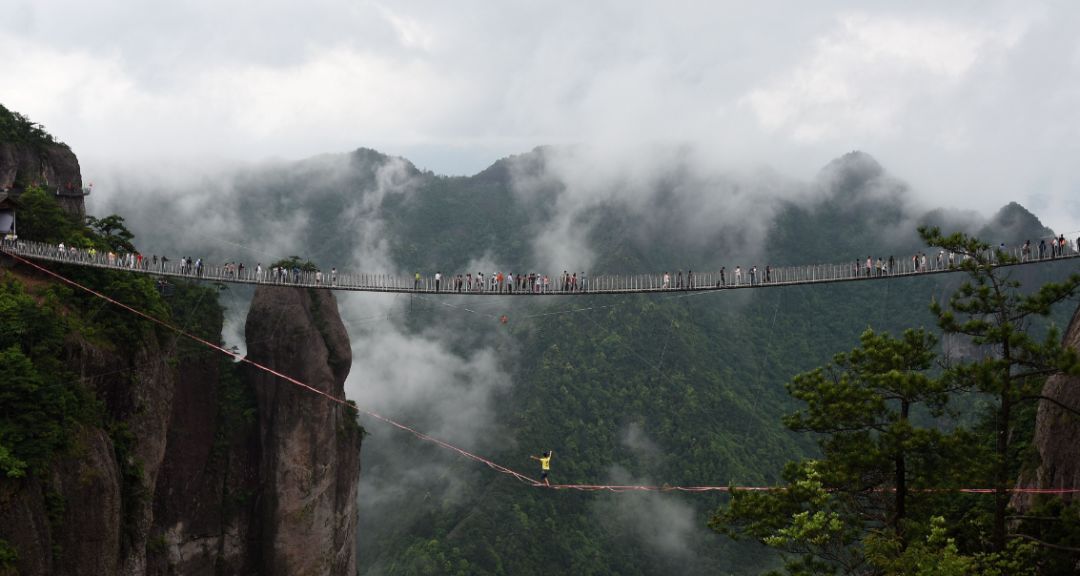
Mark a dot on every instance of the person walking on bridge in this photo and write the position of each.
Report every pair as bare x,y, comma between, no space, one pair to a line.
438,280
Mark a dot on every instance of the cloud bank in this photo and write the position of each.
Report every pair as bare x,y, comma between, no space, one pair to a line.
972,104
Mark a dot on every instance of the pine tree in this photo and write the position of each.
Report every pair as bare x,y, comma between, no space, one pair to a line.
992,312
873,453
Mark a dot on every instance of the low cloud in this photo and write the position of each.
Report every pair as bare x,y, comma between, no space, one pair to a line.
667,526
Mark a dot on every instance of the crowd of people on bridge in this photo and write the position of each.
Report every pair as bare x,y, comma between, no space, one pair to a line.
508,283
536,283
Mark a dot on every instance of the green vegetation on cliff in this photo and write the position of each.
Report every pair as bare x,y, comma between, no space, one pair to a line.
38,403
15,127
48,327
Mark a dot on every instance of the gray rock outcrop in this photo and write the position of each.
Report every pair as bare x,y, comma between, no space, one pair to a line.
309,446
1057,432
53,167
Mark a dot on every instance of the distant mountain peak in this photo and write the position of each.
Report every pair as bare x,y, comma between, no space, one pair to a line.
1013,222
1012,213
857,179
853,166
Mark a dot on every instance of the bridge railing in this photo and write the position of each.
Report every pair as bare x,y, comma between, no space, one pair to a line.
939,261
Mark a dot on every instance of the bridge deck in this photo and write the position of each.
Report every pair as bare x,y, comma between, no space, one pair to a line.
852,271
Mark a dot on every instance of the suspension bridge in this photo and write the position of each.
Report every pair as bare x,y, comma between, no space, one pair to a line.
24,251
532,284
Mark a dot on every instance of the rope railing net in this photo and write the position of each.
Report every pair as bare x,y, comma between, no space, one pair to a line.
531,284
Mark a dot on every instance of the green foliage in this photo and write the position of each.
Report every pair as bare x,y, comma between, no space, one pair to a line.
1052,521
8,558
38,404
112,232
115,327
11,466
937,555
993,313
863,406
860,508
295,262
158,544
15,127
236,406
43,220
55,508
351,418
431,558
805,519
133,490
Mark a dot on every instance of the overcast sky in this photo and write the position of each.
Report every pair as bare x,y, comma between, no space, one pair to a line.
974,103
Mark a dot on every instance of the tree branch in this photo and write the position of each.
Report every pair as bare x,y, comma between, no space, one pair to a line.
1033,373
1070,409
1046,544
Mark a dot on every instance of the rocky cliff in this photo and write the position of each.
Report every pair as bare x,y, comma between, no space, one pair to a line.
52,166
195,466
260,476
90,512
309,446
1057,432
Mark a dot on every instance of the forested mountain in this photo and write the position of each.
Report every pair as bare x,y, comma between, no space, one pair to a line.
671,389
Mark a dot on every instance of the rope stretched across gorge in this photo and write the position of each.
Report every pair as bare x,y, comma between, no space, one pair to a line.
446,445
716,280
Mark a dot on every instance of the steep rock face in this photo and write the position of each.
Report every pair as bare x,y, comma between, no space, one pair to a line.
1057,432
26,525
149,420
89,481
203,502
309,446
88,515
53,166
